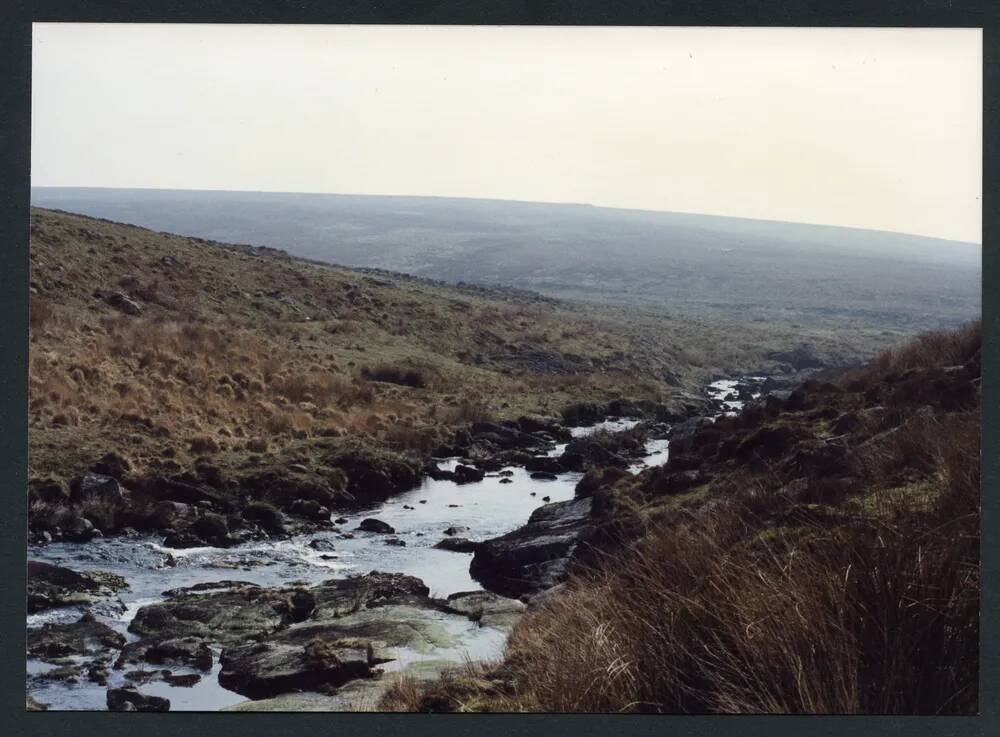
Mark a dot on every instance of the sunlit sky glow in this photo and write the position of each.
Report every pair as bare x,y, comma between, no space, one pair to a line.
871,128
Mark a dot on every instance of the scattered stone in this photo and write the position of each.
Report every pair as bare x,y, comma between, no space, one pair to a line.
457,545
371,524
129,699
468,474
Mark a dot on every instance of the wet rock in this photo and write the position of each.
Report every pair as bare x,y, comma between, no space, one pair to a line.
547,464
86,636
235,613
457,545
182,680
79,530
456,530
50,586
372,475
487,608
212,528
98,674
536,555
270,519
544,476
371,524
182,540
468,474
506,481
167,514
68,674
322,544
396,542
264,669
190,651
550,425
438,474
310,509
287,486
130,699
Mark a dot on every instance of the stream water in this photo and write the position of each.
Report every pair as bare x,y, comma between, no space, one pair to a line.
487,508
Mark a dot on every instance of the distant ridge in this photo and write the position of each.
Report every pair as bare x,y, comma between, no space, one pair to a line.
741,268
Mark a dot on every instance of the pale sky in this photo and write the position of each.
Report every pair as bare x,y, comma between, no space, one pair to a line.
870,128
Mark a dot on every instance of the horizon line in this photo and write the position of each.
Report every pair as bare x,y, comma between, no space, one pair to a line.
517,201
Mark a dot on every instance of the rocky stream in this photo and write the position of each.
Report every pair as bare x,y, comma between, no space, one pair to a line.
428,579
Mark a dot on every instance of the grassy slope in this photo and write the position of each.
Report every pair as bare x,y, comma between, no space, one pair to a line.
237,345
824,560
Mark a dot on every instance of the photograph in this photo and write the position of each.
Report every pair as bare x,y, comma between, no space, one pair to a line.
503,369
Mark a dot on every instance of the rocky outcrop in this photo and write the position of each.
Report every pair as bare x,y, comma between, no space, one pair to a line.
535,556
282,640
262,669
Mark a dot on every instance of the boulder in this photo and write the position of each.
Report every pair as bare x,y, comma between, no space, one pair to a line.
468,474
270,519
371,524
544,476
322,544
96,487
544,463
123,303
457,545
535,556
212,528
310,509
130,699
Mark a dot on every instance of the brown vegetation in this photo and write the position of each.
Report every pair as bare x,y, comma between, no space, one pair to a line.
771,596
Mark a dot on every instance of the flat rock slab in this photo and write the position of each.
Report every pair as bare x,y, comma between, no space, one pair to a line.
86,637
487,608
259,670
50,586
